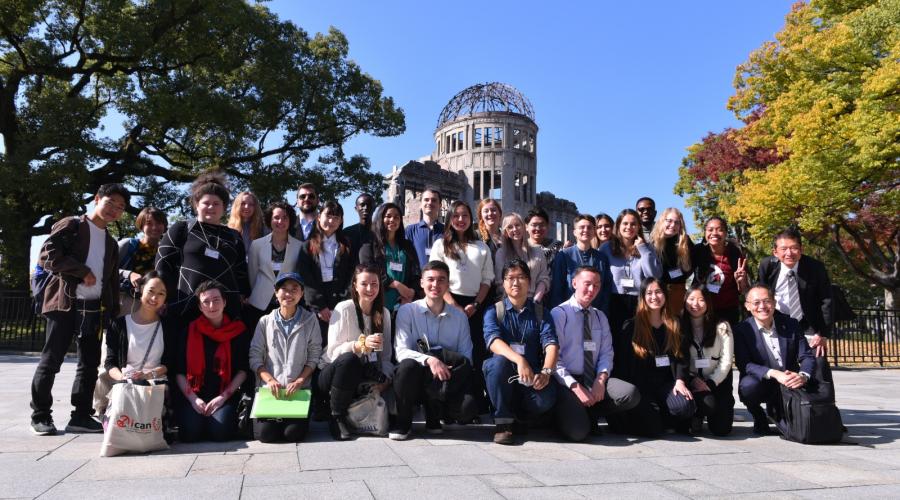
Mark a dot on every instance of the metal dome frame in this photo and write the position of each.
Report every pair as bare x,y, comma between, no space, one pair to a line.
484,98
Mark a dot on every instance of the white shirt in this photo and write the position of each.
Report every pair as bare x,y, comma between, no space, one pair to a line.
474,267
94,261
343,332
783,290
770,337
138,342
326,258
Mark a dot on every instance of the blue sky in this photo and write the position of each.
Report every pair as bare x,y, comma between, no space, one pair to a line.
619,89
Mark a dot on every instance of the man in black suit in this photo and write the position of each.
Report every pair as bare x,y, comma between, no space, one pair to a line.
802,288
770,350
361,233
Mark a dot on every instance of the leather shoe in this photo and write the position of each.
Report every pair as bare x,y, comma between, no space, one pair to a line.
503,434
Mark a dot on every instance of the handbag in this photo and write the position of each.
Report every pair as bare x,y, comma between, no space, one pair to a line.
134,418
369,414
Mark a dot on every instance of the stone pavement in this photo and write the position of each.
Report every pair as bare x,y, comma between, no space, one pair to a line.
461,464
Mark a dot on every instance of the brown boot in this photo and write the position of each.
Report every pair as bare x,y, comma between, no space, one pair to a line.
503,434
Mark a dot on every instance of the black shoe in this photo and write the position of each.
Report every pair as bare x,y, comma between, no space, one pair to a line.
340,428
503,434
761,427
321,410
43,427
84,424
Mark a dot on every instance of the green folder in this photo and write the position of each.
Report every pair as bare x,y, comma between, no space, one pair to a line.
294,406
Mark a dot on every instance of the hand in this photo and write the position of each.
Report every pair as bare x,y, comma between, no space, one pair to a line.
740,275
134,278
294,386
681,388
540,381
469,310
820,344
374,342
325,314
214,405
585,396
599,389
698,385
792,380
89,279
136,375
538,296
406,293
438,369
198,405
275,387
526,374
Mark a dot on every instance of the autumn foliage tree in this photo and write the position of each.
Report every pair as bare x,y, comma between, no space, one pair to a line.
823,100
152,92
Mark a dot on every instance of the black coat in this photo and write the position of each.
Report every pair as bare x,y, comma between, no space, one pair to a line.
813,286
316,293
642,372
750,349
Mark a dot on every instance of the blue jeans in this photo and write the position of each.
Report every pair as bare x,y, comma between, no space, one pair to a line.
512,399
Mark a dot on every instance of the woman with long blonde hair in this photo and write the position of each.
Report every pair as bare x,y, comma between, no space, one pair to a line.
515,246
653,355
247,218
489,215
673,246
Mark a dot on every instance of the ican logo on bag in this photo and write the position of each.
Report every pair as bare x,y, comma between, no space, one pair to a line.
127,423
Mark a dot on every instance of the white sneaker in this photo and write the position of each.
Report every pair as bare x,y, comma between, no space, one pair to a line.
398,435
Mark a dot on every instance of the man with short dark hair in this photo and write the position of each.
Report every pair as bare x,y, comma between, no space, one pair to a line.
537,222
424,233
434,356
802,287
646,209
568,260
82,289
308,204
769,350
361,233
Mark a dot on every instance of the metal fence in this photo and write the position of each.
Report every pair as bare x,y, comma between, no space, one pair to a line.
872,338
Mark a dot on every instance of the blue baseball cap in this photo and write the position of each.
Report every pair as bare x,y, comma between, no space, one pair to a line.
288,277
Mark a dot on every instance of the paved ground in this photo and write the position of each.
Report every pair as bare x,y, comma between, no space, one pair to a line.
461,464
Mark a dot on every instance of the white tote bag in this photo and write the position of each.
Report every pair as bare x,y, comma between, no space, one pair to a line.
134,419
369,415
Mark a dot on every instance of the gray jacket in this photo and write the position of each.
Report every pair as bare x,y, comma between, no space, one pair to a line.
285,357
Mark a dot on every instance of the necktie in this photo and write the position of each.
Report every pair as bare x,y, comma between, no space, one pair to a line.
588,373
796,310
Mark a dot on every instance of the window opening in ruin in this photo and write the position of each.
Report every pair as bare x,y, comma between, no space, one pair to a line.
476,184
531,143
461,138
497,191
498,137
453,142
477,138
487,137
517,138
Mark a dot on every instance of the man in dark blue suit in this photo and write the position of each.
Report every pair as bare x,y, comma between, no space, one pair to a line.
770,350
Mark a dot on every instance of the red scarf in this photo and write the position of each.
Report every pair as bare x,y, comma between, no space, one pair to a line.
196,357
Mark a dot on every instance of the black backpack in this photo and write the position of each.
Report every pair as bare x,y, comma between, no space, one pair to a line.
810,415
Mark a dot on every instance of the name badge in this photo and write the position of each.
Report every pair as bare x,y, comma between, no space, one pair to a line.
701,363
662,361
713,288
428,251
276,266
327,274
675,273
396,267
373,357
627,282
590,345
212,253
519,348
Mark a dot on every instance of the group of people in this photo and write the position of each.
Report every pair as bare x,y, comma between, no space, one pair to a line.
481,313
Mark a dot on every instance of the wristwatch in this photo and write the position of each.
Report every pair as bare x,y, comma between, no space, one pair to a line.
547,371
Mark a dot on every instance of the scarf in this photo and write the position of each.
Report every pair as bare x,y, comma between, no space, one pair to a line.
196,357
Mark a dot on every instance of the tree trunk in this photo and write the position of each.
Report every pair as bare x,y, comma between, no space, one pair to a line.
15,249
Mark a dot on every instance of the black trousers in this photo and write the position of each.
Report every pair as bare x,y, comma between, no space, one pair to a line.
575,421
479,351
414,384
288,430
659,408
754,392
344,374
717,407
83,323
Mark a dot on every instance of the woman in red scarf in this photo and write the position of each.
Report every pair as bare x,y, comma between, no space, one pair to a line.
211,368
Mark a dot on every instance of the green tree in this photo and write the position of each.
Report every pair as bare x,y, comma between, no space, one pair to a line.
196,85
825,96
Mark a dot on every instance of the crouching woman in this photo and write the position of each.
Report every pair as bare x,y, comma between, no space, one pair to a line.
284,353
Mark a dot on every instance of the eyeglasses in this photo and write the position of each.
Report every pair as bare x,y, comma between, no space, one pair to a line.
515,279
763,302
